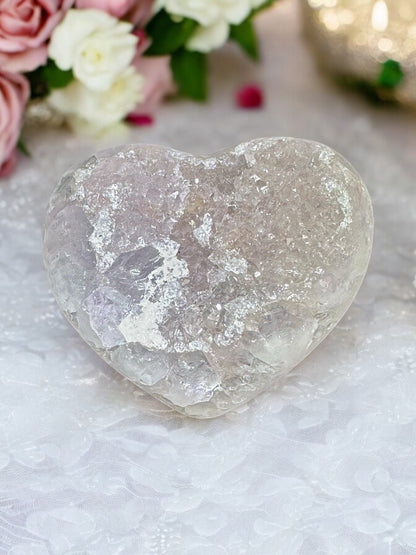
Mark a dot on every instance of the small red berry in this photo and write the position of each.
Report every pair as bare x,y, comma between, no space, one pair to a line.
140,119
250,96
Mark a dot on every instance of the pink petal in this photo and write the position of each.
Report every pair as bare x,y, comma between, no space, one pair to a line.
24,61
249,97
140,119
7,168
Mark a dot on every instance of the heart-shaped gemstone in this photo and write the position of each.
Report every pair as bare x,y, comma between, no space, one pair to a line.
203,280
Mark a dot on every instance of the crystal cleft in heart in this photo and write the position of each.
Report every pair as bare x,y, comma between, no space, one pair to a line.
206,279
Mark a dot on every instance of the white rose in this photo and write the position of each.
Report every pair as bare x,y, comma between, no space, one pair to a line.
98,110
95,45
214,17
201,11
205,39
206,12
234,11
257,3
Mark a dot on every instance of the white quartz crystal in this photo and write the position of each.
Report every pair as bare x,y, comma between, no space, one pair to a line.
204,280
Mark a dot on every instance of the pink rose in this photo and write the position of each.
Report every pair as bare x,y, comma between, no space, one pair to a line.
25,26
14,93
136,11
158,82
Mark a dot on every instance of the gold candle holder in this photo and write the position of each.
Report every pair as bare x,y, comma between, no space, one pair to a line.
371,42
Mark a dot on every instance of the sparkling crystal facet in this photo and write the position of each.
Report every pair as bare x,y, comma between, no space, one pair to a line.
204,280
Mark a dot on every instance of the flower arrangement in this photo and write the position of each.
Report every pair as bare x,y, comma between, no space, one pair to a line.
98,63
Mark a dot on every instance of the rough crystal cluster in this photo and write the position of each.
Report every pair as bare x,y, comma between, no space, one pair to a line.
204,280
354,38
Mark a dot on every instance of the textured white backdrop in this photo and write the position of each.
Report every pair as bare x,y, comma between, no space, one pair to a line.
327,465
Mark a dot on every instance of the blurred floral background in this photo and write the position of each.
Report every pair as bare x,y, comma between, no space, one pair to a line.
96,64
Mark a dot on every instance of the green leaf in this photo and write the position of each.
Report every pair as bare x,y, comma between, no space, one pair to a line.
391,75
190,73
38,86
56,78
168,35
245,35
21,145
46,78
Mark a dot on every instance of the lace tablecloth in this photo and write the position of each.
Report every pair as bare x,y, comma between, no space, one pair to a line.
326,465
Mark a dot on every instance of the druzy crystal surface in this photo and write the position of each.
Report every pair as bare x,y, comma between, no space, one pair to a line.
205,280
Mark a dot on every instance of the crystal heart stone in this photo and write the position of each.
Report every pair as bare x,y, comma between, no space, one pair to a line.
204,280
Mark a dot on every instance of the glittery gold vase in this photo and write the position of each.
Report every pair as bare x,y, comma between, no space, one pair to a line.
368,42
